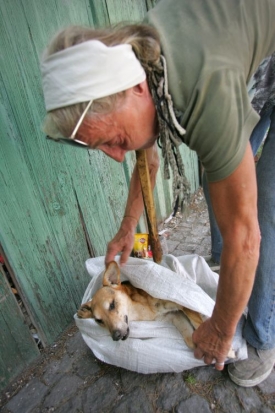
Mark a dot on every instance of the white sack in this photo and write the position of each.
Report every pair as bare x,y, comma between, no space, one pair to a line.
154,346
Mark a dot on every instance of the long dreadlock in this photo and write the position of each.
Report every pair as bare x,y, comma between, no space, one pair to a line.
170,133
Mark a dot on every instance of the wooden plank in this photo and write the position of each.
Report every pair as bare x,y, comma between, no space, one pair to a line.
125,10
100,14
109,12
41,226
101,189
151,3
42,266
190,159
17,346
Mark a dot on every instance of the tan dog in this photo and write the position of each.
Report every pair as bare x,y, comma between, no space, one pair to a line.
116,304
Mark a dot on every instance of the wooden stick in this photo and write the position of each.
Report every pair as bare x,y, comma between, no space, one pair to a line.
149,204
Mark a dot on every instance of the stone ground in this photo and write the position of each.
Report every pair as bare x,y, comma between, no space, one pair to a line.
69,379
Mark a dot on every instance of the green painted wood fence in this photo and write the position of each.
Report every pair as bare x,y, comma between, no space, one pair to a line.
58,205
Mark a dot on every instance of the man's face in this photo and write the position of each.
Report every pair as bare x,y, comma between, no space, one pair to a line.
131,126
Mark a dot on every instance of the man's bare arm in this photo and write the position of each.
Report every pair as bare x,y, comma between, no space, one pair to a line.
124,239
234,202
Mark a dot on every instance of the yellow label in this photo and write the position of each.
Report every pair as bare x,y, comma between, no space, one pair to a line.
140,245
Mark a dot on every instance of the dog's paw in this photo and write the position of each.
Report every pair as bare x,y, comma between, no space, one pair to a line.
85,311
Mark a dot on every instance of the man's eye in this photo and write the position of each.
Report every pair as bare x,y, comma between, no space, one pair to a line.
111,144
118,141
112,305
99,321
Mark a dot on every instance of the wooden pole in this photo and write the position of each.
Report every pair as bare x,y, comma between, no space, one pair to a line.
149,205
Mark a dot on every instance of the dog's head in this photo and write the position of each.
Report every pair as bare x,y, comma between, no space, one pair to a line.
109,306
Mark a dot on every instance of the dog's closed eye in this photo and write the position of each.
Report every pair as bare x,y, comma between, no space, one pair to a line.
112,305
99,321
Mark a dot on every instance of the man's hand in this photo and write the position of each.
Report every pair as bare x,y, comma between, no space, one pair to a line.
211,344
122,242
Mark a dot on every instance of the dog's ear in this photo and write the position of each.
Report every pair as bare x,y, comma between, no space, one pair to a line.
112,275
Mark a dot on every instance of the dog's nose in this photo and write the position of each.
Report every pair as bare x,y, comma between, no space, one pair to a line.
126,335
116,335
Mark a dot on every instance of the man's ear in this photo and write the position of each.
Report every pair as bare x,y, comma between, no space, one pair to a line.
112,275
141,88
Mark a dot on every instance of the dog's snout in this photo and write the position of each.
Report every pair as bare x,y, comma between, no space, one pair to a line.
116,335
120,335
126,335
126,319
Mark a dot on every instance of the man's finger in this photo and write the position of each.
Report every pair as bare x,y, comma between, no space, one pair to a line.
110,254
198,353
219,365
124,256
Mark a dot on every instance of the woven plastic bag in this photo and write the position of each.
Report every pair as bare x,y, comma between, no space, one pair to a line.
154,346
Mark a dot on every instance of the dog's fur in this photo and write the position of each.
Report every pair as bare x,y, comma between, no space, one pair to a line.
116,304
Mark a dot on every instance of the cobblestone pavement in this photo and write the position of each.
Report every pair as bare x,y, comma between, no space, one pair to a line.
69,379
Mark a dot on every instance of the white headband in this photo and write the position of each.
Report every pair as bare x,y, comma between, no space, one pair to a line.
88,71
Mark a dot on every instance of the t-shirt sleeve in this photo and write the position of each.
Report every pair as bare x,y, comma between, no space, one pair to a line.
219,120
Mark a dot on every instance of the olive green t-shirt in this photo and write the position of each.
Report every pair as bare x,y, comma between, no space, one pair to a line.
212,49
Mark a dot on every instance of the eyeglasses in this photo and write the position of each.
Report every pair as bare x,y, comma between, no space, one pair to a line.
68,141
71,139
